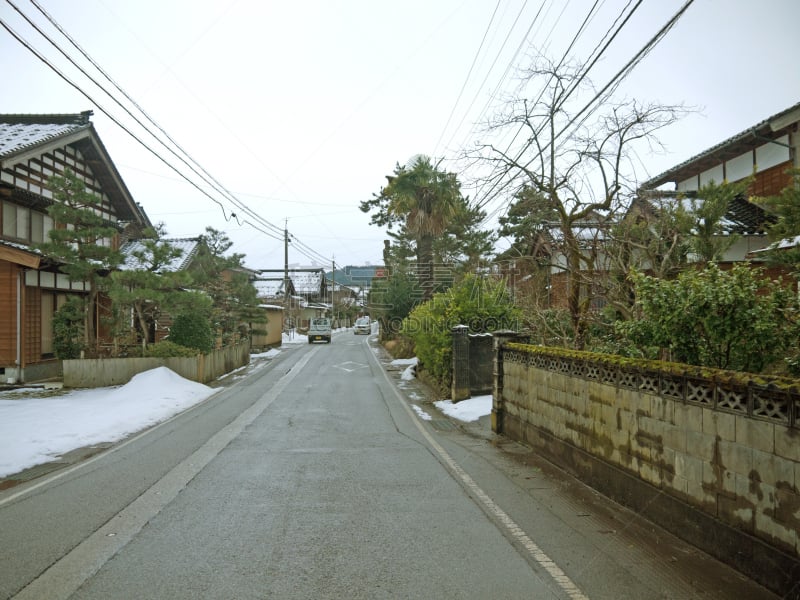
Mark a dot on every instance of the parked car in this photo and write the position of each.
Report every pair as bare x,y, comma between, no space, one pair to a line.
319,330
362,325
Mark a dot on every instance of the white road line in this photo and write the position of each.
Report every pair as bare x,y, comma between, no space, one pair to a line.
66,575
561,578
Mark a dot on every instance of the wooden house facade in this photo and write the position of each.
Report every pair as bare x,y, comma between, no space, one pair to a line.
32,149
767,151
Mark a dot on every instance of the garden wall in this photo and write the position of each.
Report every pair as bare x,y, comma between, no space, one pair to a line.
204,368
712,456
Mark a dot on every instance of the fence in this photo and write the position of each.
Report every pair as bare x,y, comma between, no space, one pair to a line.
712,456
204,368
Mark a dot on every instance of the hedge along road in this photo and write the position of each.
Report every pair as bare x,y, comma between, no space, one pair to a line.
314,478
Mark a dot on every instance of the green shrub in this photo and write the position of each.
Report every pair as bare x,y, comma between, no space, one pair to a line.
68,330
731,319
167,349
482,304
192,331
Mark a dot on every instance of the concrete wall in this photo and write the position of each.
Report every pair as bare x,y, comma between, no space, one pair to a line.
713,461
273,327
103,372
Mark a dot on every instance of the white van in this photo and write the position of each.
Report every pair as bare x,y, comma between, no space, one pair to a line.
362,325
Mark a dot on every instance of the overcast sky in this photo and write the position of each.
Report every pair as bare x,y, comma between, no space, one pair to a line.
300,109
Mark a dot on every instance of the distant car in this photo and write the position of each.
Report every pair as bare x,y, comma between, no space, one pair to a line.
362,326
319,331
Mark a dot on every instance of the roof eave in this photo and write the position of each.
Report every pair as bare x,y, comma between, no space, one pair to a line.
766,130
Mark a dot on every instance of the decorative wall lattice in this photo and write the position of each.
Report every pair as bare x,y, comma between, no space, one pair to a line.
738,395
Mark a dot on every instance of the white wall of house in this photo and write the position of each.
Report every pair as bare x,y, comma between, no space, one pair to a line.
763,157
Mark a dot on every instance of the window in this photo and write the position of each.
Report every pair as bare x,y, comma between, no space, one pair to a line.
16,221
37,228
22,223
9,220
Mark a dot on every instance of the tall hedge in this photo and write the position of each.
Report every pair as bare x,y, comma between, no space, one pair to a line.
192,331
481,303
733,319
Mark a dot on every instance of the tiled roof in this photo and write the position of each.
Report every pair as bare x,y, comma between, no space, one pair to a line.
271,306
188,247
357,276
18,246
23,134
18,132
745,218
742,217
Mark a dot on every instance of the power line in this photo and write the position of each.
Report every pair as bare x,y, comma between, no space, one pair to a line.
272,231
564,56
469,73
494,92
622,73
55,69
205,175
612,84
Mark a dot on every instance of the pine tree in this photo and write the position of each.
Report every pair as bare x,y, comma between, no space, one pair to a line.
224,279
81,241
149,286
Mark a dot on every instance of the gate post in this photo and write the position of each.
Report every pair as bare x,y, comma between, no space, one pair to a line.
500,339
459,388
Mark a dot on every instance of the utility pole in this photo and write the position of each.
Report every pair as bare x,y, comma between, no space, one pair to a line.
285,267
333,285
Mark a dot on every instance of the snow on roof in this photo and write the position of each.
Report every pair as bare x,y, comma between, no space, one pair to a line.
23,134
306,282
268,288
784,244
18,246
18,132
742,216
270,306
581,233
187,246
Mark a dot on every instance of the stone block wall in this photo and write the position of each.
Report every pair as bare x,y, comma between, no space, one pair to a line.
716,462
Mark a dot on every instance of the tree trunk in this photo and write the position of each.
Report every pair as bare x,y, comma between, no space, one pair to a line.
425,266
91,311
143,325
574,279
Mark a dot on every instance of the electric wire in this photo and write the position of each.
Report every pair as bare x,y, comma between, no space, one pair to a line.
615,81
69,81
469,74
488,197
205,175
307,250
304,249
611,85
622,73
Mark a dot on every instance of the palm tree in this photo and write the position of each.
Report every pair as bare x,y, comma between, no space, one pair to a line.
426,200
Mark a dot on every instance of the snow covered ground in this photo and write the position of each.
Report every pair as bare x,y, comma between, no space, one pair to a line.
35,429
468,410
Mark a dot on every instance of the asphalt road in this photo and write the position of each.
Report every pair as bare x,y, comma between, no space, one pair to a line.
312,477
